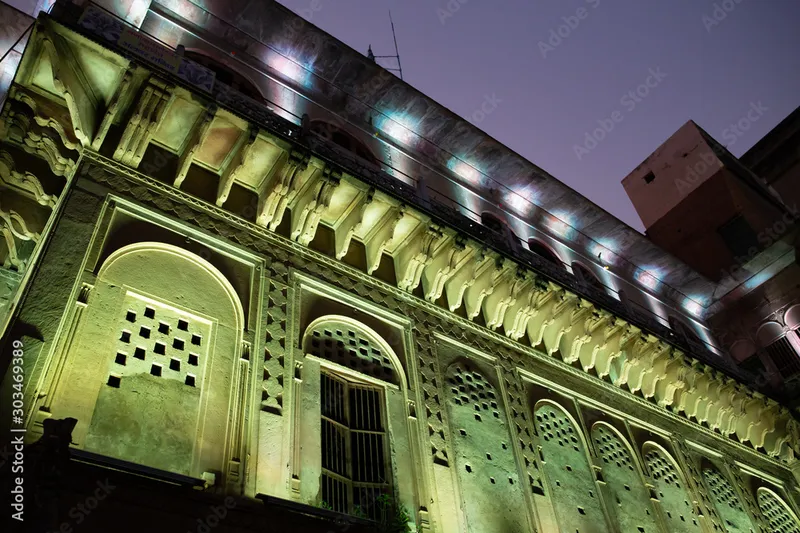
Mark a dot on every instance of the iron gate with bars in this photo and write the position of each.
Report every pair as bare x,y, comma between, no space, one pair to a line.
354,455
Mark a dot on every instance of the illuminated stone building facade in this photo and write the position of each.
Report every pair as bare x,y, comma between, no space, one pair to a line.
278,287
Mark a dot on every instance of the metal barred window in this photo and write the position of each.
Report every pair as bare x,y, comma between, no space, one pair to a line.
785,357
354,455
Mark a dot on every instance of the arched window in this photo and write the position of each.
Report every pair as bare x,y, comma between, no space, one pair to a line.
779,348
493,222
542,250
351,346
342,138
566,466
630,498
359,376
138,378
670,486
587,277
500,227
784,356
730,510
781,519
769,332
792,317
492,495
227,75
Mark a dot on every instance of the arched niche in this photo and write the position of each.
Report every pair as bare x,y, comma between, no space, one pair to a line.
574,493
777,513
494,222
768,332
542,250
354,345
587,276
726,501
150,368
342,138
492,497
318,306
671,489
127,227
792,317
630,502
351,419
227,75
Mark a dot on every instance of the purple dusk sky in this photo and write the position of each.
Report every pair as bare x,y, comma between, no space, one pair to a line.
461,52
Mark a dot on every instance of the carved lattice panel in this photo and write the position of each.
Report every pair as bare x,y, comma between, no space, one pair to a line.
573,490
428,373
777,513
151,399
159,340
349,346
275,349
704,503
732,514
630,499
671,491
750,502
492,496
516,404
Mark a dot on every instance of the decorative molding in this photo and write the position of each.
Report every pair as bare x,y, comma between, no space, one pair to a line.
25,182
284,253
274,348
68,77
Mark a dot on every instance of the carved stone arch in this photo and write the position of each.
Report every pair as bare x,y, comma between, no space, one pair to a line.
493,221
353,420
541,249
568,470
671,489
226,74
337,134
492,497
776,512
499,224
629,497
792,317
732,513
153,367
128,227
769,332
138,250
588,277
355,345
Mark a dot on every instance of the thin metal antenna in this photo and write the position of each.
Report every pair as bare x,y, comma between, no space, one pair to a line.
396,55
396,50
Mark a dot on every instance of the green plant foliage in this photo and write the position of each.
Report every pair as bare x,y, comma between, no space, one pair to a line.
393,517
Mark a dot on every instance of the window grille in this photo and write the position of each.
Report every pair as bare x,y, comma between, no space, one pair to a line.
784,356
354,455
